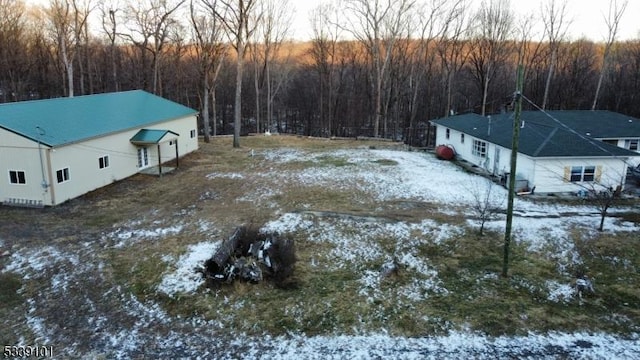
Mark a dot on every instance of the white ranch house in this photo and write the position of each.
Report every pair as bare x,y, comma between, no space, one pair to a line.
562,152
55,150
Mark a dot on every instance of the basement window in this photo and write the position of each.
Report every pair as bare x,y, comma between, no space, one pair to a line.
479,148
17,177
103,162
62,175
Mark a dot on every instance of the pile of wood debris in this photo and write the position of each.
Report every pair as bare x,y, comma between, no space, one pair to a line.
252,256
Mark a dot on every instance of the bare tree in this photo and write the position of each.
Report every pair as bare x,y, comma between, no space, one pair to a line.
530,52
453,49
487,203
149,30
325,55
109,14
377,24
554,17
272,30
61,21
239,19
12,40
264,50
81,12
612,20
491,48
210,51
433,19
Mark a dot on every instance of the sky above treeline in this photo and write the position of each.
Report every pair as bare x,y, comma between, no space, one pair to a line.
587,17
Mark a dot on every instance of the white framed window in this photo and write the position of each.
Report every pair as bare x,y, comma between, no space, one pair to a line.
632,144
62,175
479,148
17,177
193,133
143,157
583,174
447,133
461,138
172,142
103,162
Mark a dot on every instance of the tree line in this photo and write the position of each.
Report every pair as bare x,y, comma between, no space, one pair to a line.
371,68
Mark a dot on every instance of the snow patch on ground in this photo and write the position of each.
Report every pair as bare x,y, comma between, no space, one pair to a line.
184,279
36,261
284,155
456,345
127,236
287,223
560,293
217,175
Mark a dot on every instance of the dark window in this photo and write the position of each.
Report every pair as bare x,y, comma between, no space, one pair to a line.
462,138
62,175
193,134
447,134
17,177
576,173
103,162
589,173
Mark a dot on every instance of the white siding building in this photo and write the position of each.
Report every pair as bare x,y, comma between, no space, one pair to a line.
551,159
58,149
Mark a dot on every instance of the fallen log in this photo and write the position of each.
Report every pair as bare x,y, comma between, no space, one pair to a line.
228,248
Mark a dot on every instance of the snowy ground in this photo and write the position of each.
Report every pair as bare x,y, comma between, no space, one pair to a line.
149,331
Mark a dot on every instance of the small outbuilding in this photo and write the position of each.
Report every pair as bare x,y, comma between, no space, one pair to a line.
55,150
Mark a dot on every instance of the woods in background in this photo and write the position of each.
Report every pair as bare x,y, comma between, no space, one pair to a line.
371,68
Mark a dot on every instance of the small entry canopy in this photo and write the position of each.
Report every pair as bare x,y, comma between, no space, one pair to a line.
146,137
153,136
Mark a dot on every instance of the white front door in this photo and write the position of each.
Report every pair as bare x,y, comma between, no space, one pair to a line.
143,157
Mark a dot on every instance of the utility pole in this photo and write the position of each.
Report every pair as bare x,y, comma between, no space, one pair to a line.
512,173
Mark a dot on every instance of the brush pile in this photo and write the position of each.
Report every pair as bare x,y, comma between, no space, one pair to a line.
252,256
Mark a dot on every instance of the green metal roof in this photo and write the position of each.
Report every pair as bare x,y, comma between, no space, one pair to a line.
61,121
536,139
150,136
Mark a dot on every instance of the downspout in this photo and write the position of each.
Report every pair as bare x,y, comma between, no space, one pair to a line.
44,183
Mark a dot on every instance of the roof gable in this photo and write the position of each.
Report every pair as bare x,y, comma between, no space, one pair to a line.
150,136
61,121
537,138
